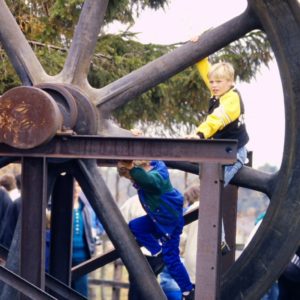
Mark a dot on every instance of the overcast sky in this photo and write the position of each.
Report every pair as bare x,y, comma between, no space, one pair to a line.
263,97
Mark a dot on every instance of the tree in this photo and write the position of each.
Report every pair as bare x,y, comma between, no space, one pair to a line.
173,105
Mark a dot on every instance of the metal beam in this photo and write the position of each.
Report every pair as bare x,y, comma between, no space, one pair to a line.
22,285
221,151
61,229
34,192
209,233
246,177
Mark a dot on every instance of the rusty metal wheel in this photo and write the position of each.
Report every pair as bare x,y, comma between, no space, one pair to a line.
277,238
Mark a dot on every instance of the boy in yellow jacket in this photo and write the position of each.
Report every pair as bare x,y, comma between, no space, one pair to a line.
225,116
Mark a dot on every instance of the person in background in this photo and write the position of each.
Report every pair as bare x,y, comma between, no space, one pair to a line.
191,195
18,178
289,280
5,203
97,227
9,220
8,181
48,240
160,229
287,287
83,240
273,291
225,115
190,232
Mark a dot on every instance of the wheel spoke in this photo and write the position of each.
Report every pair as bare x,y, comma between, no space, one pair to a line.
246,177
84,42
125,89
18,50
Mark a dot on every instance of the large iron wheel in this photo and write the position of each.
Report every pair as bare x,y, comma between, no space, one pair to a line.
276,240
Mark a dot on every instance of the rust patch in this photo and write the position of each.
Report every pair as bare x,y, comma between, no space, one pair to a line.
28,117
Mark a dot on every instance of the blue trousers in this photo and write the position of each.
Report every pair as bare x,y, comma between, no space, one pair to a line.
231,170
80,284
149,236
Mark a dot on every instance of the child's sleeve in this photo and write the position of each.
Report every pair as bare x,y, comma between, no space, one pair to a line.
203,67
150,181
228,111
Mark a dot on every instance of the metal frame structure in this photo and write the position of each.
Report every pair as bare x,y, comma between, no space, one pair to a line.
86,172
75,106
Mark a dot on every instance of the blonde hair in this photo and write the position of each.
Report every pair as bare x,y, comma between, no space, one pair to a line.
222,70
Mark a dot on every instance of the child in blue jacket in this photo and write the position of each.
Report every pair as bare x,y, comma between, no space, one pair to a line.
160,229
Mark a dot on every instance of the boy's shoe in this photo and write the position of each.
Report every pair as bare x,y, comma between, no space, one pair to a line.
224,248
156,263
190,296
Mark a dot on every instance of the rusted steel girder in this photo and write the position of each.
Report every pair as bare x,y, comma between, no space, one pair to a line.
130,148
209,233
33,212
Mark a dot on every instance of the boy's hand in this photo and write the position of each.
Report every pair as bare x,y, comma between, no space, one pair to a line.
194,39
124,168
192,136
136,132
125,164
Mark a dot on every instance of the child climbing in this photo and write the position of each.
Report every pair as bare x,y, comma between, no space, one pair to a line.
225,115
160,229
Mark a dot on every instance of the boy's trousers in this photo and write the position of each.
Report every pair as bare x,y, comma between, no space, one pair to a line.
148,235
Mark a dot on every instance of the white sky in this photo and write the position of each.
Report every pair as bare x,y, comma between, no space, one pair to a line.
263,97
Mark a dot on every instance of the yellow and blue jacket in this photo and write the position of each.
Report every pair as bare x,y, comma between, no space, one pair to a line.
225,116
161,201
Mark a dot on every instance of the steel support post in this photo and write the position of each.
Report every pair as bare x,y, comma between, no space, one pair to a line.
209,233
61,229
34,197
229,197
